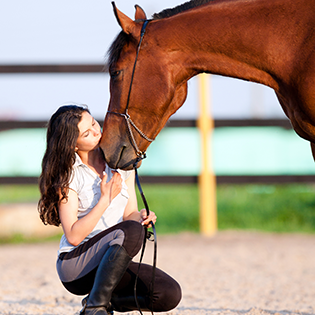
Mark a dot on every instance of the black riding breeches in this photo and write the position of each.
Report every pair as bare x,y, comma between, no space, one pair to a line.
77,268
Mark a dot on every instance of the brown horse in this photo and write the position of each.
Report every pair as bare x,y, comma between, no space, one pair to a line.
271,42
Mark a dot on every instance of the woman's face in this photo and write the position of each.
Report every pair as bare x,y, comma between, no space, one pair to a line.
89,133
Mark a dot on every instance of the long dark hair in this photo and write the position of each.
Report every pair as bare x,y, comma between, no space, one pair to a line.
59,157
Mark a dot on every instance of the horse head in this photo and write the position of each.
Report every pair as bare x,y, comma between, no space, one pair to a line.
249,40
143,94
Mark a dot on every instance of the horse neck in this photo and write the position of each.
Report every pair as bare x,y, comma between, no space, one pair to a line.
240,38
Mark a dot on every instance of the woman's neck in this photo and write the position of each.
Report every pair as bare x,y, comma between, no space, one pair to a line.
94,160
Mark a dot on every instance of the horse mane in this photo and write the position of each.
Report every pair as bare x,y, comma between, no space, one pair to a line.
123,39
181,8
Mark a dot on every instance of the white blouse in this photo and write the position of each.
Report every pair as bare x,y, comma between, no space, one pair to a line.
86,184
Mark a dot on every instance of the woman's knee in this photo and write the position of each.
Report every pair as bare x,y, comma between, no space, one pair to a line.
169,297
133,236
174,292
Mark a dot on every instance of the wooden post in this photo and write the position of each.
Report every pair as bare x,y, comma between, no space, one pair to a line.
207,181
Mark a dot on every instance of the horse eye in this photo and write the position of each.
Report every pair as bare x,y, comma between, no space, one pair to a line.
115,74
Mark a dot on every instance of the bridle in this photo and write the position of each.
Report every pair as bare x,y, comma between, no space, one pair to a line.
140,154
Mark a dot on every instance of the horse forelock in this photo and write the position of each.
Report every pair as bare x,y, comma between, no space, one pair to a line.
116,47
181,8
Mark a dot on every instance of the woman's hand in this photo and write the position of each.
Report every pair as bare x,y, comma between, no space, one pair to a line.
131,210
76,230
113,187
146,219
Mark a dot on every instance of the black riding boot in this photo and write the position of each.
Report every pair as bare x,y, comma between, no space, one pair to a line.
109,272
128,303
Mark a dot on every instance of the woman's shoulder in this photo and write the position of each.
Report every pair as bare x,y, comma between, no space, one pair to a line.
77,178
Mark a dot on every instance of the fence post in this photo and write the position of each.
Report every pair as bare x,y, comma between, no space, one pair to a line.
206,179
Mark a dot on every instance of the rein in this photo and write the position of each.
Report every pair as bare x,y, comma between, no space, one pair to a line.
129,122
141,155
147,235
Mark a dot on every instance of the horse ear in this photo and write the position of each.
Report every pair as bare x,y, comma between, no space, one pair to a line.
140,14
127,24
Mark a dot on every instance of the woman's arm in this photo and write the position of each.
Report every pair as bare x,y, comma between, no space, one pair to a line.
131,210
76,230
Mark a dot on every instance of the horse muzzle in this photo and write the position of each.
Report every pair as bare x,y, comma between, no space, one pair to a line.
119,154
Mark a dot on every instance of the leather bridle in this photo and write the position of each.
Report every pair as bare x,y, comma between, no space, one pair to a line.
141,155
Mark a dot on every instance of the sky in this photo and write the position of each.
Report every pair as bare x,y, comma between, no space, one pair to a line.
80,32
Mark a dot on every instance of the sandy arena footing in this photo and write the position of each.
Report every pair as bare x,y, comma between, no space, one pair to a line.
231,273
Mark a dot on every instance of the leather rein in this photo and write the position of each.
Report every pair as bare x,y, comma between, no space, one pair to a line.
141,155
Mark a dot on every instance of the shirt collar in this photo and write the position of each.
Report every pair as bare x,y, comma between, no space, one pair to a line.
78,160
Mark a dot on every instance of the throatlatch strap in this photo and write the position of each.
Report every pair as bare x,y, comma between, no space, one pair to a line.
143,248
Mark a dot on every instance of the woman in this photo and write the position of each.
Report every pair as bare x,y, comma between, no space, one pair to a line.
103,229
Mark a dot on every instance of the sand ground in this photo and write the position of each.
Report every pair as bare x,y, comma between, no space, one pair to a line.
230,273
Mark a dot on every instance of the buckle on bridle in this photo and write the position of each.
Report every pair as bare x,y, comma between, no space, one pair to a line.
141,155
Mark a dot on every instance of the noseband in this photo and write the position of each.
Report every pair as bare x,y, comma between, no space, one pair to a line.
141,155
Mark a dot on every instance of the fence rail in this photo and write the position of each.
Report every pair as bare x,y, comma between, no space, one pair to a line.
54,68
276,179
220,123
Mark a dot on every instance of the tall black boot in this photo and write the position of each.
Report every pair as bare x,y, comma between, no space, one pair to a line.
109,272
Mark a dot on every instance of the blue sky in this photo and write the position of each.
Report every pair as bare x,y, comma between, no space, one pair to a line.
80,31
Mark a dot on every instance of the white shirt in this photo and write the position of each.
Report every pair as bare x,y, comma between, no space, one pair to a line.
86,184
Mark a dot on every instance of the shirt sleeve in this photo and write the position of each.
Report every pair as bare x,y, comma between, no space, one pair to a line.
74,183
